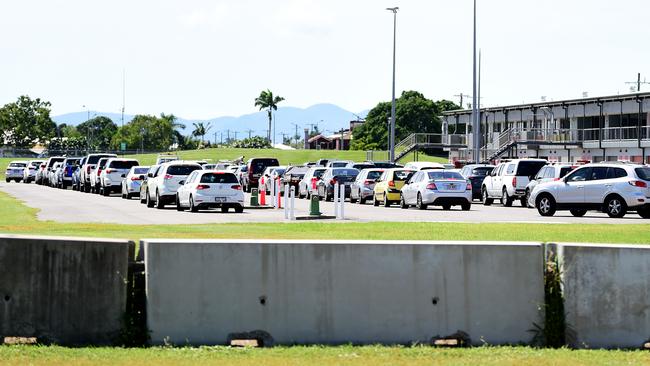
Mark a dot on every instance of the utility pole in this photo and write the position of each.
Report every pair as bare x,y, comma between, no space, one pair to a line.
123,93
638,82
296,136
215,138
221,133
249,132
391,133
228,138
476,127
461,95
235,135
284,135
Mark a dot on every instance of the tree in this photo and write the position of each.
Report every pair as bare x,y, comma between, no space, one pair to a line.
267,101
200,130
145,132
179,139
25,122
255,142
413,113
98,131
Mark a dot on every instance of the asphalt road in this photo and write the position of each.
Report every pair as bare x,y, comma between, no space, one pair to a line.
71,206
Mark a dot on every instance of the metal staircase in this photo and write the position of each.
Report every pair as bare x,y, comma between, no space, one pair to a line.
416,141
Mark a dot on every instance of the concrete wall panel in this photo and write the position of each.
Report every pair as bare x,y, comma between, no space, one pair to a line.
337,292
607,294
63,290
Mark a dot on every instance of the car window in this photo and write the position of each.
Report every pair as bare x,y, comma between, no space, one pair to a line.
140,170
182,169
345,172
528,168
643,173
158,171
500,171
219,178
481,172
18,165
580,175
374,174
511,169
564,171
402,175
541,173
123,164
598,173
102,163
433,175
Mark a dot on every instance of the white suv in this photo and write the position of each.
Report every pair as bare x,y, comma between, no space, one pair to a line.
161,189
110,179
210,188
608,187
508,181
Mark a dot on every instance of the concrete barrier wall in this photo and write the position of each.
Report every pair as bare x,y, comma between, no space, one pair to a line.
63,290
337,292
607,294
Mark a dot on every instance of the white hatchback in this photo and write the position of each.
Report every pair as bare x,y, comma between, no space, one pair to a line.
613,188
110,179
133,181
205,189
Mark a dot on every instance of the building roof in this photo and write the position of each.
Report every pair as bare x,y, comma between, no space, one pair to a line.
317,138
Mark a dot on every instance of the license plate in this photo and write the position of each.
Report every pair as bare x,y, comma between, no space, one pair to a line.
451,186
219,199
347,184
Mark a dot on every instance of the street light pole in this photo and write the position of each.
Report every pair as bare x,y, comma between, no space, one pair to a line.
476,124
391,134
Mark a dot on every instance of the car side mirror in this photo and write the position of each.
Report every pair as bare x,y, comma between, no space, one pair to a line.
150,175
181,182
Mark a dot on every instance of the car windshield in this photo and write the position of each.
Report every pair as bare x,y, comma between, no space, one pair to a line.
182,169
345,172
94,159
643,173
481,172
140,170
72,162
17,165
243,169
219,178
529,168
339,164
298,171
258,166
102,163
435,175
123,164
278,171
374,174
402,174
319,173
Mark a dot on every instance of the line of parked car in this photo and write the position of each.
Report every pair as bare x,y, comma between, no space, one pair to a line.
614,188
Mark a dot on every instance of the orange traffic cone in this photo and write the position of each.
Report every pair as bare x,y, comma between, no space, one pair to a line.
262,192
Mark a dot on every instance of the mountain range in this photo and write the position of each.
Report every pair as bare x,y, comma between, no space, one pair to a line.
329,117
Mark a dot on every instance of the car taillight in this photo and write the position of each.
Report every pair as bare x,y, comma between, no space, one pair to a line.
201,187
236,187
556,179
332,181
638,183
469,187
99,171
88,169
168,176
391,183
135,178
432,186
368,182
109,171
514,181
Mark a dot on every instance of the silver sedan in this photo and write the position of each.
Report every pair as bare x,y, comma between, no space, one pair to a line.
437,188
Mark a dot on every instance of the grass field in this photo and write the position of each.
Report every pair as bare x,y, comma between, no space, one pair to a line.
16,218
341,355
284,156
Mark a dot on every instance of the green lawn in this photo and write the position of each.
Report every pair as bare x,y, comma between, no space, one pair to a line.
284,156
316,355
16,218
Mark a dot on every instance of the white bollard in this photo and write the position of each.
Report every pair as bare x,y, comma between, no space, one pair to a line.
286,197
342,198
336,199
292,212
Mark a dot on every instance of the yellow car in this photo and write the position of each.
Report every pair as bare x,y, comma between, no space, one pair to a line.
388,186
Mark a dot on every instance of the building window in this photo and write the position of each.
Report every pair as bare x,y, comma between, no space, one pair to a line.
565,123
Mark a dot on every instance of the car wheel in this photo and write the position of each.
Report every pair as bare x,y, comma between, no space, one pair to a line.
124,195
7,180
526,198
105,191
159,204
578,212
362,201
178,204
402,202
466,206
224,209
505,199
239,209
352,200
486,199
524,202
386,201
375,201
193,208
644,212
546,205
328,197
615,207
148,199
446,207
420,205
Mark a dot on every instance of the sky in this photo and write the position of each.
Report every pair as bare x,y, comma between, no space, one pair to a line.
208,58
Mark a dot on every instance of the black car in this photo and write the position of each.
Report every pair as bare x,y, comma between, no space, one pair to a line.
336,175
386,165
476,173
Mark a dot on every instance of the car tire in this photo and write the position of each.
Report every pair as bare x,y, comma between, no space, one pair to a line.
148,200
524,202
239,209
224,209
644,213
546,205
420,205
352,200
526,198
125,196
362,201
386,202
487,201
615,207
106,192
193,208
7,180
577,212
142,199
159,204
328,197
375,201
466,206
402,203
505,198
178,204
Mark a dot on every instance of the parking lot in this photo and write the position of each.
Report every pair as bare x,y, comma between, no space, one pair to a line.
71,206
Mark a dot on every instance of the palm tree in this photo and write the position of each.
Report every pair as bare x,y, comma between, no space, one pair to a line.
266,100
178,136
201,129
